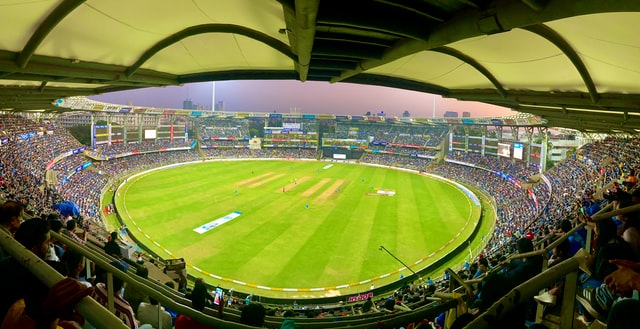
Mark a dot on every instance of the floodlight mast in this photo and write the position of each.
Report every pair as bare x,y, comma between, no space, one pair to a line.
401,262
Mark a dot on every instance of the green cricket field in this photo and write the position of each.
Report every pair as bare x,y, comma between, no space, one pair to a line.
296,228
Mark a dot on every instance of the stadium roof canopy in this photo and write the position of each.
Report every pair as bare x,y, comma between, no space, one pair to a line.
575,63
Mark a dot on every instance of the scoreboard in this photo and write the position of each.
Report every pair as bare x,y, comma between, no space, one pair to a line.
516,150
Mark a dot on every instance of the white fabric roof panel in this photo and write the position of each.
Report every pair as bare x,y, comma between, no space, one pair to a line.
435,68
611,52
220,51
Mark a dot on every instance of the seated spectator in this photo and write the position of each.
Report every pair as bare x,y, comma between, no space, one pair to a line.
10,217
609,245
560,254
135,296
392,305
56,248
185,322
483,268
59,303
74,262
111,247
71,232
623,281
122,308
148,313
368,306
630,229
498,284
171,312
289,321
253,315
25,300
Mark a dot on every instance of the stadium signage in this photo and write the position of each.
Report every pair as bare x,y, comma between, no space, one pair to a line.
213,224
359,298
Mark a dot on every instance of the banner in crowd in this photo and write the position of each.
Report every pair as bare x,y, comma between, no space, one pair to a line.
360,297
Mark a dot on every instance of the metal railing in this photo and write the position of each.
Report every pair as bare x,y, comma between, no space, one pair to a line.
168,297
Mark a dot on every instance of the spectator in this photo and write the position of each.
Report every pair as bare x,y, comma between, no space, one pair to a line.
148,313
71,232
497,285
200,295
10,217
483,268
123,309
24,294
630,228
289,321
368,306
185,322
253,315
132,294
624,280
56,248
111,247
74,262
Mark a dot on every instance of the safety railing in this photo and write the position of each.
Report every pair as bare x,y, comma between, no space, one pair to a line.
523,293
168,297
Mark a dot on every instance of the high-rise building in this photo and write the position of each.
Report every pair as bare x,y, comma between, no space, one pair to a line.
187,104
218,106
450,114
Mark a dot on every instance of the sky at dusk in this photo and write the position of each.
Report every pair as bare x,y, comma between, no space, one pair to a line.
308,97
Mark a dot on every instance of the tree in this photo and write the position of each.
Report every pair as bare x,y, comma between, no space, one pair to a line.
550,164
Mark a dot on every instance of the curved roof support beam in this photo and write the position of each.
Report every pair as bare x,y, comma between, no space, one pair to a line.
555,38
477,22
211,28
305,29
469,60
536,5
49,23
427,10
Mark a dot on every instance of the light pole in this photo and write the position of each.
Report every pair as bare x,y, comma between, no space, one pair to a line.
401,262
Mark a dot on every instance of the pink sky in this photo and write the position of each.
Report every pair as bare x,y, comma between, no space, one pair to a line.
307,97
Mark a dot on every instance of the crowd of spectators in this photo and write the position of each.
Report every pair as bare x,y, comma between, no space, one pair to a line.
226,128
390,138
145,146
573,182
396,160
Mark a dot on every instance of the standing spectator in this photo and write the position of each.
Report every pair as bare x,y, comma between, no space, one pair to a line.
200,295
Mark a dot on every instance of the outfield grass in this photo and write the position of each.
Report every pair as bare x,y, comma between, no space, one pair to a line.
280,243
